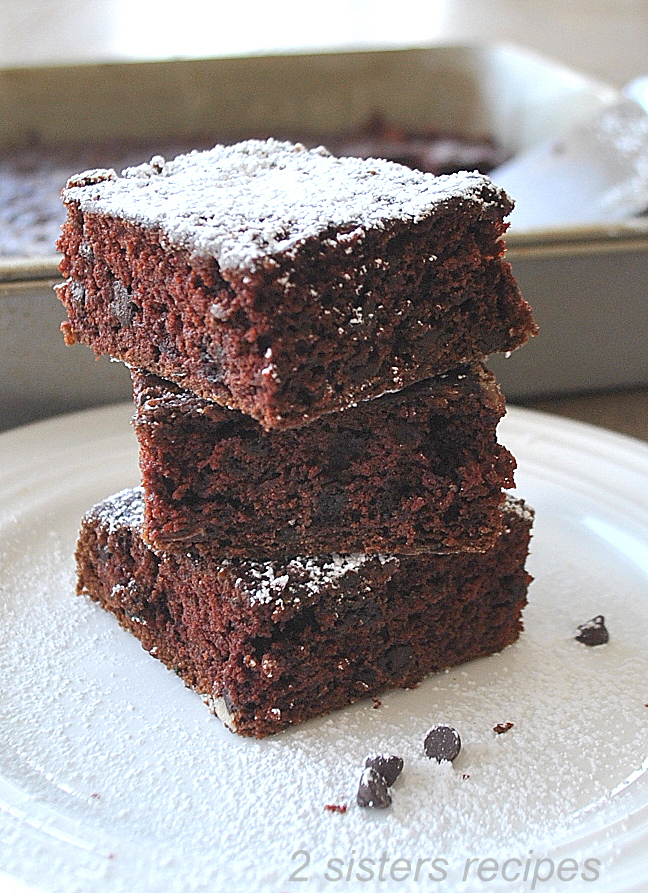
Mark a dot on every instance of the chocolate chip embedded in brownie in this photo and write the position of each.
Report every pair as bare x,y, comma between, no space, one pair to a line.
285,282
269,644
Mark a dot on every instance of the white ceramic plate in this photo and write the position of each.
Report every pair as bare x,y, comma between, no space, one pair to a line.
114,777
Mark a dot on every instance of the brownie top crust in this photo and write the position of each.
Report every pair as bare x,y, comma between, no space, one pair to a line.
255,200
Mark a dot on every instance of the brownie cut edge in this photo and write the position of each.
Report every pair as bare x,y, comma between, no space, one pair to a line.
419,470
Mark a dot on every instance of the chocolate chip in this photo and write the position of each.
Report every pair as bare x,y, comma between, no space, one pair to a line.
121,306
103,552
228,701
362,612
593,632
86,252
365,679
330,503
390,767
212,357
397,659
502,727
372,790
344,448
157,164
77,295
442,743
406,434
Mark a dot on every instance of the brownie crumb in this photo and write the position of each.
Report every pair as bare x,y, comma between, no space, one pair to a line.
390,767
373,790
376,703
502,727
442,743
594,632
336,807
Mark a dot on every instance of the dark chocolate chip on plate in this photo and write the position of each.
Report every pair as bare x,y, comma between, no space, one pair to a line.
594,632
390,767
373,790
442,743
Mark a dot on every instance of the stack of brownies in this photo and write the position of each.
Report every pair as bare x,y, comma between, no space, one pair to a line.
322,512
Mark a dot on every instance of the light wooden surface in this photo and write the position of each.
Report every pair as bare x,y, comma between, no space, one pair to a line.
624,411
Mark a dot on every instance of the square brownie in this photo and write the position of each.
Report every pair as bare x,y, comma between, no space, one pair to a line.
285,282
270,644
418,470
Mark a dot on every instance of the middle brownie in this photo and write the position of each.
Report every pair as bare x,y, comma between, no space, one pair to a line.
418,470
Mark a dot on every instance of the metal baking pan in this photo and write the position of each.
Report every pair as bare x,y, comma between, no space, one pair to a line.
587,286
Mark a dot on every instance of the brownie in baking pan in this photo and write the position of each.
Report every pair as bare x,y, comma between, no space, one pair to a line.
417,470
424,149
270,644
32,175
286,282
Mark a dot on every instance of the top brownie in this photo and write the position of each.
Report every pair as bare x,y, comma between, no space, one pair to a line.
285,282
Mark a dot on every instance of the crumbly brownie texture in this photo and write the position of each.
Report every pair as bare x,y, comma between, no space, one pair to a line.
269,644
286,282
416,471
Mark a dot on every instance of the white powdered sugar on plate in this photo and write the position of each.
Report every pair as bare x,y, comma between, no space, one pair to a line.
115,777
257,199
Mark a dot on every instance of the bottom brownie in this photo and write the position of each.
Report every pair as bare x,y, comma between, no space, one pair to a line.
269,644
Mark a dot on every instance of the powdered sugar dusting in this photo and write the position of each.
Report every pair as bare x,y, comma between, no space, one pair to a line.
115,778
135,779
518,506
266,581
258,199
123,509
